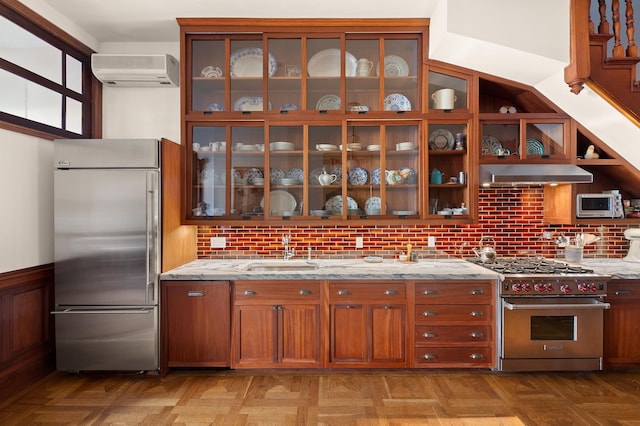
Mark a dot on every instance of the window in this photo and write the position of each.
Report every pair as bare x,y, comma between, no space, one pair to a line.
45,77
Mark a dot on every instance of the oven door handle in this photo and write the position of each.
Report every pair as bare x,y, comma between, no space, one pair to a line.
539,306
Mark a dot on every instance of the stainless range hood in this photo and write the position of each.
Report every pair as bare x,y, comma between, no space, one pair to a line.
532,174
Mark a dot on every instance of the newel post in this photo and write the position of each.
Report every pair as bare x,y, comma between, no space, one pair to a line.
578,70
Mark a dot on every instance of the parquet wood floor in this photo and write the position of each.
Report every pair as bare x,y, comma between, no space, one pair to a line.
223,397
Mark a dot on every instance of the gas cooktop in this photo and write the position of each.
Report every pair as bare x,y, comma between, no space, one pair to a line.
531,266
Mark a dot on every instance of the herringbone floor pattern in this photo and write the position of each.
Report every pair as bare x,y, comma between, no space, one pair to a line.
206,397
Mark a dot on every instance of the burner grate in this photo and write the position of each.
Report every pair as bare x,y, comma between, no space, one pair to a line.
528,265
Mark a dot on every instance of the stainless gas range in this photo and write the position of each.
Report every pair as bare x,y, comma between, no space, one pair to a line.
551,315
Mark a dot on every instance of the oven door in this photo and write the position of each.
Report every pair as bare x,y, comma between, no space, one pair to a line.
552,327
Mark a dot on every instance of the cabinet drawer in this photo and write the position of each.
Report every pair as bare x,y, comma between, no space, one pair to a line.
303,291
623,292
478,356
379,291
455,292
439,334
456,313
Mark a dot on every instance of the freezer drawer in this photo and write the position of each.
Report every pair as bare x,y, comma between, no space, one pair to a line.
107,339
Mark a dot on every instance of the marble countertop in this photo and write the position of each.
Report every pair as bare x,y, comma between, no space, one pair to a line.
330,269
617,268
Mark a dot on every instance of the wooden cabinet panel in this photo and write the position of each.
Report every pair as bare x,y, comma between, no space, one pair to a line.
454,292
454,334
622,325
196,324
348,334
454,313
388,325
276,292
454,357
370,291
255,338
299,334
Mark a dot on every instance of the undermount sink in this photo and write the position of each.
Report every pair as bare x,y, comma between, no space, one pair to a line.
283,265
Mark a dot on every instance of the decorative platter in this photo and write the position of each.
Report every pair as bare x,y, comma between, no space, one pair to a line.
249,103
375,176
397,102
357,176
394,66
280,202
534,147
296,173
490,145
326,63
373,203
215,107
251,174
248,63
328,102
441,139
334,204
276,175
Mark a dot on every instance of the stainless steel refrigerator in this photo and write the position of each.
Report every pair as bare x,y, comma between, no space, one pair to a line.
107,254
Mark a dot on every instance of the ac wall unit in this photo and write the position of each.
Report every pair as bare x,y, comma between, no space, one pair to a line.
131,70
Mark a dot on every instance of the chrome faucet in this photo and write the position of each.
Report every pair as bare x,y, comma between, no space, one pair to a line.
288,254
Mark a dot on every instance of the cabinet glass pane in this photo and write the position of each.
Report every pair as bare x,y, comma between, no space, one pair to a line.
402,170
447,168
246,70
363,170
324,65
544,139
363,86
324,198
500,140
286,170
248,171
447,92
285,86
401,70
209,174
208,73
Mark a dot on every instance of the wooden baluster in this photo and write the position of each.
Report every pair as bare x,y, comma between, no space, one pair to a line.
632,49
618,49
579,68
603,27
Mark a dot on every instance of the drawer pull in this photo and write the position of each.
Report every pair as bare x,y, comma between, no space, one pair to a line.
429,356
249,293
429,292
429,334
194,293
387,307
477,356
623,292
343,292
477,313
477,292
391,292
476,334
304,292
429,314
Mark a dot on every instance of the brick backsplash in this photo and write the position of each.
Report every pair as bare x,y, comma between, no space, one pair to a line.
512,216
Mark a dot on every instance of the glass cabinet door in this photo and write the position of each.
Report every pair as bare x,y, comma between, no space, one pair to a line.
208,82
401,71
246,69
208,171
285,85
544,140
364,169
401,195
447,92
324,186
324,68
363,87
248,177
286,171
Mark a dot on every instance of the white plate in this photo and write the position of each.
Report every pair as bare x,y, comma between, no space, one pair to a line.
326,63
490,145
248,63
326,147
249,103
441,139
394,66
280,202
397,102
328,102
334,204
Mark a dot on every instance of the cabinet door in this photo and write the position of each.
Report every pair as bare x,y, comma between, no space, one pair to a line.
197,323
299,335
622,326
255,335
388,324
348,341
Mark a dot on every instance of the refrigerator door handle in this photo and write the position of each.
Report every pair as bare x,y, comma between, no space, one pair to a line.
152,234
103,311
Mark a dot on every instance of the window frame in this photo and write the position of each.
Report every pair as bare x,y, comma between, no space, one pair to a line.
91,96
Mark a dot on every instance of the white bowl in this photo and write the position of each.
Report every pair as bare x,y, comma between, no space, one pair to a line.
373,148
289,181
281,146
404,146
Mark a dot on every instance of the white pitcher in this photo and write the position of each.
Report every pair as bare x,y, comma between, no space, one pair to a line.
364,67
444,99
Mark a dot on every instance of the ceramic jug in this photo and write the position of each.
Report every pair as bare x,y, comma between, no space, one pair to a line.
444,99
436,176
327,179
364,67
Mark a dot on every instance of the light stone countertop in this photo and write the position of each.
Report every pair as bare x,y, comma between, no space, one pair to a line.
331,269
617,268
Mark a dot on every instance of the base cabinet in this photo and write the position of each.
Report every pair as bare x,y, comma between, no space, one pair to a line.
368,324
196,321
276,325
622,325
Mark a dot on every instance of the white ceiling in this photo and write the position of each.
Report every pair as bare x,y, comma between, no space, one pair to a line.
155,20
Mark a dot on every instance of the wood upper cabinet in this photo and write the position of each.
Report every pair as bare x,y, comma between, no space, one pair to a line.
196,324
368,324
622,325
276,324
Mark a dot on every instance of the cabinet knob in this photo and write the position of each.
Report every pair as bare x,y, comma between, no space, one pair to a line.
477,313
390,292
304,292
476,334
249,293
429,292
429,314
477,292
343,292
429,334
477,356
194,293
429,356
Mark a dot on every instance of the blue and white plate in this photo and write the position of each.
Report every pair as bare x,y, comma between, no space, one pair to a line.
534,147
248,63
397,102
276,175
337,170
288,107
375,176
334,204
250,103
296,173
251,174
357,176
328,102
373,203
215,107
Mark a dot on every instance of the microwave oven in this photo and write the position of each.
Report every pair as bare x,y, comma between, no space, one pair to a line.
599,206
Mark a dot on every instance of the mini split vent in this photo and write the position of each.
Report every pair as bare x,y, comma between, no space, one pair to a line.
129,70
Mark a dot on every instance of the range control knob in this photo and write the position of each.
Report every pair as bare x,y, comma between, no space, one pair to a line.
583,287
548,287
565,288
539,288
516,287
593,287
526,287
